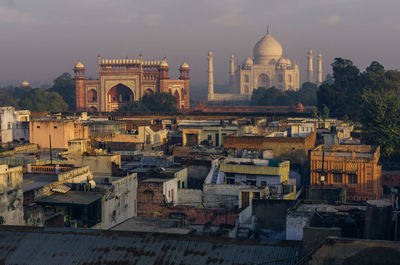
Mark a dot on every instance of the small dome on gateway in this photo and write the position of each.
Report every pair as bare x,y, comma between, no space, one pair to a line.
79,65
25,83
164,63
185,65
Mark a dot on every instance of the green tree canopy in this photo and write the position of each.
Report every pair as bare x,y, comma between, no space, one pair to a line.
344,95
370,97
307,95
381,120
65,86
41,100
157,102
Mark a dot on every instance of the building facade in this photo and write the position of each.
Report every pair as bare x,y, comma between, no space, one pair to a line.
60,130
352,166
11,195
122,81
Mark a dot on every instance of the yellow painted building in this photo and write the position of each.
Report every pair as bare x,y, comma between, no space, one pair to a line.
260,173
60,130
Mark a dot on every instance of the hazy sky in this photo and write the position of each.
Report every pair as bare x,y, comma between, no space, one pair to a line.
41,39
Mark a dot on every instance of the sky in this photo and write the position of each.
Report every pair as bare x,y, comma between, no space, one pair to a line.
41,39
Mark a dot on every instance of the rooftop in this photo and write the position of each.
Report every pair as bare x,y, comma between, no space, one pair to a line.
23,245
153,225
35,181
72,197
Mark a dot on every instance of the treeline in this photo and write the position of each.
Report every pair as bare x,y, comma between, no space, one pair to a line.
307,95
59,97
157,102
371,98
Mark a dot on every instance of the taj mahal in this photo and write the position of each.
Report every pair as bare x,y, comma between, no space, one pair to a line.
267,69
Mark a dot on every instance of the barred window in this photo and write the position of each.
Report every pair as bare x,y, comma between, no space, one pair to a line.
337,178
352,178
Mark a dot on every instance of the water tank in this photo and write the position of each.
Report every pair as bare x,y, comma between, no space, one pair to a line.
378,220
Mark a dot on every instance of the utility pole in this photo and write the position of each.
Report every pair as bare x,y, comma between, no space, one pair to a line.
51,154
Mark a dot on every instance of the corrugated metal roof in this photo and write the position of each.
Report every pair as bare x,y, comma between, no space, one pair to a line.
38,246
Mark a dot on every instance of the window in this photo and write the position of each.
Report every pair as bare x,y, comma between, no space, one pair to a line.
9,184
179,184
38,127
352,178
209,137
230,181
183,184
337,178
55,127
251,182
263,184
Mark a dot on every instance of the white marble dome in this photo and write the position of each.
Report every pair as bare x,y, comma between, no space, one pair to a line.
267,49
25,83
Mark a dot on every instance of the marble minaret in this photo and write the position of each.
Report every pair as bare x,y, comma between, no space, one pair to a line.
310,70
210,77
319,70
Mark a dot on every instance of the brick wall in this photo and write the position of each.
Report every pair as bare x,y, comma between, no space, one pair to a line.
150,199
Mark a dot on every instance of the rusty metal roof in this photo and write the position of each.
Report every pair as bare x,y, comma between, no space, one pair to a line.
19,245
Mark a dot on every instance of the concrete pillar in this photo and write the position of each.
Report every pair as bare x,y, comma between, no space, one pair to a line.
310,67
210,77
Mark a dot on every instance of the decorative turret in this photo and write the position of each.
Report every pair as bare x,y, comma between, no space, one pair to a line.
79,70
184,71
163,68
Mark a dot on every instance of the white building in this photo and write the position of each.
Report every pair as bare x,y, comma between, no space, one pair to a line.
6,122
14,125
268,68
11,195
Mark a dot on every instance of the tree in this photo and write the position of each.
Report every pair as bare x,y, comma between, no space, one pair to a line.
7,99
160,102
381,120
325,113
272,96
157,102
136,107
64,85
344,95
41,100
314,113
